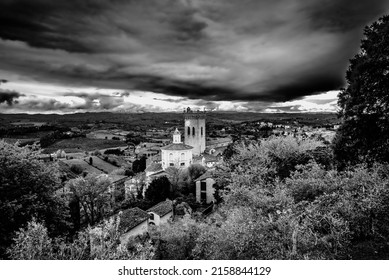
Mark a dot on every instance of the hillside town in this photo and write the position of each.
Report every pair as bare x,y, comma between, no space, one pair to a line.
131,161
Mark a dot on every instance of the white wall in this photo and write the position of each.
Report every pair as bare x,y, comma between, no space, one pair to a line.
160,220
169,156
209,190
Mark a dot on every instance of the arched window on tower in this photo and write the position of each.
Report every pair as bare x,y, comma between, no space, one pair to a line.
188,130
202,131
193,131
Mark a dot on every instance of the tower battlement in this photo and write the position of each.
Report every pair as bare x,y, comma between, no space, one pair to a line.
190,114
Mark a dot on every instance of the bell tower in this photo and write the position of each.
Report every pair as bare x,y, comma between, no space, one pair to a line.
176,137
195,130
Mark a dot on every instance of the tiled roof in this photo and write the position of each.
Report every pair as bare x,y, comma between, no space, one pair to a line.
210,158
206,175
214,141
154,167
158,174
162,208
116,178
130,218
177,147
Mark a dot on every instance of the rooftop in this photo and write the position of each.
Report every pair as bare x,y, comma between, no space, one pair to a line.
206,175
130,218
213,141
177,147
115,178
154,167
210,158
162,208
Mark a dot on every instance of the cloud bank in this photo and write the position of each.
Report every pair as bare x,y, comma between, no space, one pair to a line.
250,51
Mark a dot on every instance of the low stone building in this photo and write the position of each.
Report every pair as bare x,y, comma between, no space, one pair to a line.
132,222
135,221
160,213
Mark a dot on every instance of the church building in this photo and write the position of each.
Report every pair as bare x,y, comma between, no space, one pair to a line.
177,154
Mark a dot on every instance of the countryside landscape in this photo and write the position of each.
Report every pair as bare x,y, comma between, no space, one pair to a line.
203,131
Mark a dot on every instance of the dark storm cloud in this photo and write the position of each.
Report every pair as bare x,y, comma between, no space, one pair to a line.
344,15
248,50
9,97
171,99
46,23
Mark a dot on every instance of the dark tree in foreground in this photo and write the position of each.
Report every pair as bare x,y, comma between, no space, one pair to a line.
27,190
158,190
364,103
139,165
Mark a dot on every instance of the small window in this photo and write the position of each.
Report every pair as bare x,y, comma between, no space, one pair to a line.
182,163
203,186
171,164
193,131
151,216
202,131
188,130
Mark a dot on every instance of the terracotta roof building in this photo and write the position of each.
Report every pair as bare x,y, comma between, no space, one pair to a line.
162,208
131,218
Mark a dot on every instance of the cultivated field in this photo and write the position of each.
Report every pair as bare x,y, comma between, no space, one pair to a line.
78,144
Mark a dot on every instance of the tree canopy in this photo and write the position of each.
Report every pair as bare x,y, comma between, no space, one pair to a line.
364,103
92,194
27,189
158,190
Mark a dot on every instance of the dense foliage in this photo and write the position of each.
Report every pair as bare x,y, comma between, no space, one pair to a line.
314,214
364,103
90,194
158,190
98,243
27,189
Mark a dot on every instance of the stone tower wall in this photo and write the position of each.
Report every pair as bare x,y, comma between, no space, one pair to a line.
196,121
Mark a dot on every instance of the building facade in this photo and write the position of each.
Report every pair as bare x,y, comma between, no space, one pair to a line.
205,189
177,154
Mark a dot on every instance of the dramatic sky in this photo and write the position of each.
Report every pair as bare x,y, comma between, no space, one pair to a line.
164,55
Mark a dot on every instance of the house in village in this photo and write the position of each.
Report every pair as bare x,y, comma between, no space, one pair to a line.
132,222
135,221
206,160
160,213
205,188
